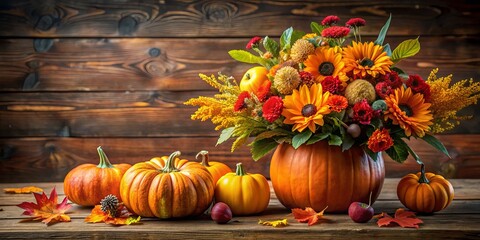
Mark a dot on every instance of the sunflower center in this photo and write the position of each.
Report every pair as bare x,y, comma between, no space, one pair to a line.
309,110
407,109
366,62
326,68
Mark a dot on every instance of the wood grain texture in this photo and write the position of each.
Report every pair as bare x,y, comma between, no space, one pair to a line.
63,18
50,159
458,221
103,64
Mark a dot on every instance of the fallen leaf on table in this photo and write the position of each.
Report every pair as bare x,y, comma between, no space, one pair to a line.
405,219
276,223
122,216
46,209
308,215
29,189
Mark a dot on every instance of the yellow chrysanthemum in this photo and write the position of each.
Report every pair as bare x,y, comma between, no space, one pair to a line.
306,107
409,111
325,62
366,59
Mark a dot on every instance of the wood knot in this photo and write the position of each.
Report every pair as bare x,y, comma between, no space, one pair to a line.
154,52
31,81
45,22
127,25
219,11
42,44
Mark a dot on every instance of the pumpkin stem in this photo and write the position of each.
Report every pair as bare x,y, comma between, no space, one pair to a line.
204,155
104,162
240,171
423,178
170,165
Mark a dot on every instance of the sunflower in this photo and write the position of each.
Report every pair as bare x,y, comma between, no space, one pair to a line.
325,62
366,59
306,107
409,111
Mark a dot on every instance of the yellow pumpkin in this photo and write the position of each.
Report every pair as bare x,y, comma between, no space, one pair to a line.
425,192
244,193
217,169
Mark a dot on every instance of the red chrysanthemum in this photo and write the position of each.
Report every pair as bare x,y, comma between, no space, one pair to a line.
332,84
356,22
240,104
383,89
330,20
272,109
337,103
307,78
418,85
253,42
363,112
263,91
335,32
392,79
380,140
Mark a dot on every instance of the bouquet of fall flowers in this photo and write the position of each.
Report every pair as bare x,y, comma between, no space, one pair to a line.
330,85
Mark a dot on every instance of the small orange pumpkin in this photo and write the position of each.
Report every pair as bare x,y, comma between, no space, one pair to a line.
87,184
244,193
425,192
217,169
167,187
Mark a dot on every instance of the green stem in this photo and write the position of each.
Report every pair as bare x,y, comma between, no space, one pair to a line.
170,165
240,171
423,178
104,162
204,155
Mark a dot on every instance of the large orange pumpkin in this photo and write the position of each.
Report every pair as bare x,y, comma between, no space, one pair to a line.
425,192
167,187
320,175
217,169
87,184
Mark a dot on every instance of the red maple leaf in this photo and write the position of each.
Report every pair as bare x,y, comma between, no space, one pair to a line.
308,215
46,209
405,219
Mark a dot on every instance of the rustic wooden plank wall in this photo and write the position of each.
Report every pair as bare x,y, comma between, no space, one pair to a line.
78,74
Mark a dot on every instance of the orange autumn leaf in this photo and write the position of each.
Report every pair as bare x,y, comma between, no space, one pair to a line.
308,215
405,219
122,218
46,209
29,189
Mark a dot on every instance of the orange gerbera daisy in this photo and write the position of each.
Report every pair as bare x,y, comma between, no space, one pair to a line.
325,62
409,111
366,59
306,107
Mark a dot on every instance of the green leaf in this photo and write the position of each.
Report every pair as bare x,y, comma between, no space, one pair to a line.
406,49
317,137
301,138
434,142
240,141
335,140
262,147
383,32
370,153
316,28
295,36
225,135
247,57
271,46
348,142
269,134
286,38
414,155
398,70
387,49
398,152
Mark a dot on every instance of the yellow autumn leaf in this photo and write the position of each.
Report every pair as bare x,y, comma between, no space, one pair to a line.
28,189
276,223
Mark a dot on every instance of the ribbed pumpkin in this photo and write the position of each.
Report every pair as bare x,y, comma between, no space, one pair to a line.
425,192
167,187
243,192
87,184
217,169
320,175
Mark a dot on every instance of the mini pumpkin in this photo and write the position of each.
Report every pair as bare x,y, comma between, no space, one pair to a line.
217,169
425,192
244,193
167,187
87,184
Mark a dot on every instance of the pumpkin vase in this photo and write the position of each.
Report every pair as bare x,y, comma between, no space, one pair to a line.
320,175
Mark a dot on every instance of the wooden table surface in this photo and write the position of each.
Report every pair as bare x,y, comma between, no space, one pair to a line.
461,220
